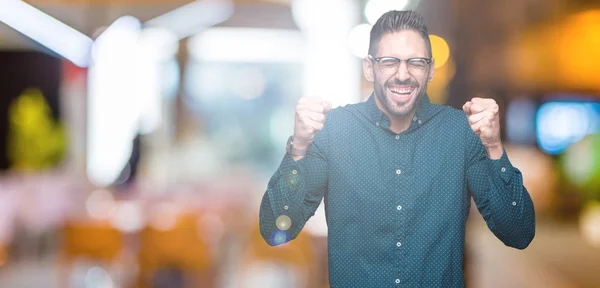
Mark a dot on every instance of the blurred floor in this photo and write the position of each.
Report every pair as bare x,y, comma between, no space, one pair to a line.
558,257
30,274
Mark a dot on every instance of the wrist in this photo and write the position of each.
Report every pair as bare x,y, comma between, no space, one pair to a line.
495,151
296,147
300,144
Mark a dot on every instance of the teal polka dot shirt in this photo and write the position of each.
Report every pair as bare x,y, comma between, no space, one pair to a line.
397,204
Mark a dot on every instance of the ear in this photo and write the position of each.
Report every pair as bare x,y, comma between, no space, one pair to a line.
431,70
368,69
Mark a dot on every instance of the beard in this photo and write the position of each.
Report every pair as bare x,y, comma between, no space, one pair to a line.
400,109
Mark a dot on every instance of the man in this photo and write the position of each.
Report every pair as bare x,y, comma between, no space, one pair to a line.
397,173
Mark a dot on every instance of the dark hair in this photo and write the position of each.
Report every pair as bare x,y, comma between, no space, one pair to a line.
396,21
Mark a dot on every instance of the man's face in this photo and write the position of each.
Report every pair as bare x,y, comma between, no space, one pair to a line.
399,92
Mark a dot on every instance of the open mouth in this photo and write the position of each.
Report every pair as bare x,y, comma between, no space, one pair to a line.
401,93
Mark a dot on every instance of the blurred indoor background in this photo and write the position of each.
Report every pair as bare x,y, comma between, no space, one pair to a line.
137,136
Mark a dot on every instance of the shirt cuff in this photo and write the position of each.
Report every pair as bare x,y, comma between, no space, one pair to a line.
289,166
289,178
502,167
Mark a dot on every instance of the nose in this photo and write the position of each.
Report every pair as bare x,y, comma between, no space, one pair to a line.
402,74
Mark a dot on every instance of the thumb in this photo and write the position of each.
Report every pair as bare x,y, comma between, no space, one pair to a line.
467,108
326,105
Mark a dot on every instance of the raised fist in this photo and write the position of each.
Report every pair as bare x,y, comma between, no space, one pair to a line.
310,117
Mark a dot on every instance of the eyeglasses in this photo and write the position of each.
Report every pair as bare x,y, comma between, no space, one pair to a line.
390,65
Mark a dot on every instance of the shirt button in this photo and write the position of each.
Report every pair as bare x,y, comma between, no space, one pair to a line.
514,203
294,172
397,281
398,244
285,207
503,169
376,123
397,136
420,122
415,118
398,171
399,207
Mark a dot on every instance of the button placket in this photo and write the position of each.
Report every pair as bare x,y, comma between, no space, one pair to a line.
399,164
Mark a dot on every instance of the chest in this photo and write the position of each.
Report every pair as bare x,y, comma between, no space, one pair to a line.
374,167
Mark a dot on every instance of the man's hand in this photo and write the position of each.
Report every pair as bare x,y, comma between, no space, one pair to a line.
485,122
310,117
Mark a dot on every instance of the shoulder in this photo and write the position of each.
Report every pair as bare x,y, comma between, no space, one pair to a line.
346,112
450,116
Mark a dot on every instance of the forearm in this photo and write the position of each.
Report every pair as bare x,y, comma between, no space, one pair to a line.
276,233
302,146
506,204
287,204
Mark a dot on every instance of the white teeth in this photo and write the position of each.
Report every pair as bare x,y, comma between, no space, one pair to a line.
401,91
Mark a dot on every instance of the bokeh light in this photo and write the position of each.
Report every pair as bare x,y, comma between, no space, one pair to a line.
561,123
279,237
250,83
589,224
437,89
581,163
569,46
576,49
375,8
315,15
97,277
100,204
164,216
283,222
358,41
128,217
440,50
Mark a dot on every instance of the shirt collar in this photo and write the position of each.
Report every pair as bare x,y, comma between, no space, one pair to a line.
423,110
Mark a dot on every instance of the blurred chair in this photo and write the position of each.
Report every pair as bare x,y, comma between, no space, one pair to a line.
175,252
294,264
93,240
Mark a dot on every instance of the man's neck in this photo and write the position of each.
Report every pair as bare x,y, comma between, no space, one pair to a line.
398,124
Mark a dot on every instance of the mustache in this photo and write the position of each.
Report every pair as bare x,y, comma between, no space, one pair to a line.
397,82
